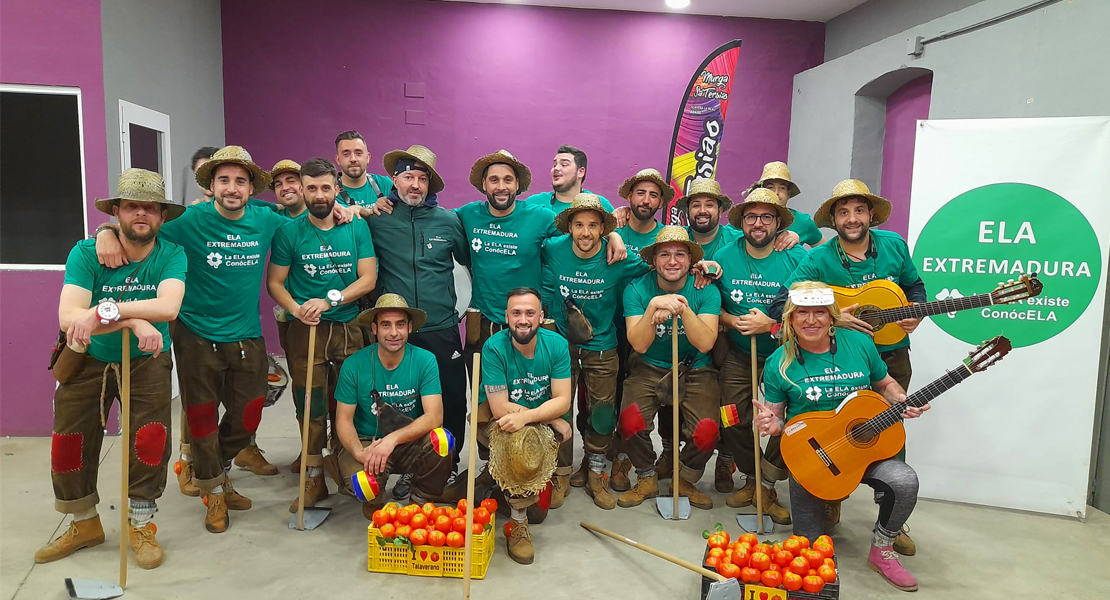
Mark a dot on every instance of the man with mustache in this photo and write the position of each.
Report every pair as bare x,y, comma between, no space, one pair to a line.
776,177
318,271
358,187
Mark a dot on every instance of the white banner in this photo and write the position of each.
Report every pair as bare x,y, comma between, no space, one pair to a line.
994,199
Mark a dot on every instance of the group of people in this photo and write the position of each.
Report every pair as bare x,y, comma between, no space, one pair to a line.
574,307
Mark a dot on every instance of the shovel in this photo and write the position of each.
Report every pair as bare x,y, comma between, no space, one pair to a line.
674,508
759,522
722,588
311,517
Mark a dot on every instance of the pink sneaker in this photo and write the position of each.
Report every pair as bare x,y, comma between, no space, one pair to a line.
885,562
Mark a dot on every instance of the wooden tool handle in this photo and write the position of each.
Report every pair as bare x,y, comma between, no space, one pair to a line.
307,416
674,409
755,433
125,451
667,557
469,539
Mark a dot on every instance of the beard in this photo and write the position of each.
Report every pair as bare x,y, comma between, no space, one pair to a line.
768,237
354,171
703,228
581,243
643,213
566,187
499,205
141,239
524,338
844,235
409,201
319,210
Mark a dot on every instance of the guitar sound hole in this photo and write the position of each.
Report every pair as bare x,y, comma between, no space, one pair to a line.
870,315
860,435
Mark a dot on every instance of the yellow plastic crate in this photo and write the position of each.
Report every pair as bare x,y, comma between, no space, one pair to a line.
429,561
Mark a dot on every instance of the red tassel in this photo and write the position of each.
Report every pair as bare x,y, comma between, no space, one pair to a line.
706,435
631,421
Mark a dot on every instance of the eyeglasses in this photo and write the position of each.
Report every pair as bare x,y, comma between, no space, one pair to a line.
766,219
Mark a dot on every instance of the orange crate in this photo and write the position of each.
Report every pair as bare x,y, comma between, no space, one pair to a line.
429,561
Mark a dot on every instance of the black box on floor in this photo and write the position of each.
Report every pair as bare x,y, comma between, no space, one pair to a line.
831,591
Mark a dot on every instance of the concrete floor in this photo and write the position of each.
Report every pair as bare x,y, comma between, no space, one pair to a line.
964,551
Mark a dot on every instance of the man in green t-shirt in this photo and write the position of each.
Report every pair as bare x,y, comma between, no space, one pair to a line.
96,303
584,314
776,177
318,271
359,188
650,305
388,402
285,180
568,175
753,273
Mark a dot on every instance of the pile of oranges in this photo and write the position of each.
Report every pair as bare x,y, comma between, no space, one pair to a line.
794,564
430,524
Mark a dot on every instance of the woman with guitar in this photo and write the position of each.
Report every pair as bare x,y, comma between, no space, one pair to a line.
815,369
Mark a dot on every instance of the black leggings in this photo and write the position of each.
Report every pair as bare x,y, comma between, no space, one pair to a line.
446,345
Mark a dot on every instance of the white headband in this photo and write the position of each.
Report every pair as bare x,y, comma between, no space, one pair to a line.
813,297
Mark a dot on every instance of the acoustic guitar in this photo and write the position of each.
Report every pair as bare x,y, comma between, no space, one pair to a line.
828,451
882,302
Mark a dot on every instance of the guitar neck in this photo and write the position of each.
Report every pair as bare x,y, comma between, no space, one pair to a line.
920,398
928,309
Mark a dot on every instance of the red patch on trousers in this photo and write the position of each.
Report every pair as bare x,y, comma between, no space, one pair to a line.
65,452
150,443
202,419
252,414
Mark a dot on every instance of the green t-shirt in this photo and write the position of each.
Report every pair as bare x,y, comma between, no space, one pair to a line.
527,379
636,241
274,206
504,252
823,381
136,281
402,388
748,283
321,261
806,229
226,262
592,283
365,196
890,260
549,200
726,234
706,301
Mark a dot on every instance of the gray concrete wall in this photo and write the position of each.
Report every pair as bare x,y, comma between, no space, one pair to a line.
165,55
878,19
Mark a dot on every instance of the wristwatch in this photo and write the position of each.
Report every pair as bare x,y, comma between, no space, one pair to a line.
335,297
108,311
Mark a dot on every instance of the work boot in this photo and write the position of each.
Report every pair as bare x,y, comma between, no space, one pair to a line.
560,487
665,464
184,470
578,479
743,496
315,490
519,543
233,499
251,458
698,499
81,534
295,466
645,488
618,476
595,488
148,554
903,544
884,561
771,506
216,520
832,516
722,475
403,487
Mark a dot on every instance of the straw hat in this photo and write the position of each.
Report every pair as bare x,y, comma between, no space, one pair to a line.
761,196
420,154
141,185
522,462
647,175
284,166
233,155
501,157
583,202
394,302
704,187
777,170
672,234
847,189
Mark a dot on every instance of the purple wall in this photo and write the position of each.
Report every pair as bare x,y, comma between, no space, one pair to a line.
46,42
904,107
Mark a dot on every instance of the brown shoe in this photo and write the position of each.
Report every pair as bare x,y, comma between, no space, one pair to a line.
560,487
148,554
315,490
184,470
216,519
903,544
665,464
832,516
743,496
81,534
233,499
698,499
578,479
295,467
519,543
645,488
779,514
251,458
595,488
618,476
722,475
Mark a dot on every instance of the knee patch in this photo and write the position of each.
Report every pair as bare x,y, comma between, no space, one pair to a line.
632,421
706,434
150,443
202,419
603,418
442,441
65,452
252,413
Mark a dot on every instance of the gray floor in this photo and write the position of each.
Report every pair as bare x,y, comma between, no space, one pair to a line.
964,552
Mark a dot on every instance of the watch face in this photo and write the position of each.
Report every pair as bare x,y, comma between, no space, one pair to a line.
335,297
108,311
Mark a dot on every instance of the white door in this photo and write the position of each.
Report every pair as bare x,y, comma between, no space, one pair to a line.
144,140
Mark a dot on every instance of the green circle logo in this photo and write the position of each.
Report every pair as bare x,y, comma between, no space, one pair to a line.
987,236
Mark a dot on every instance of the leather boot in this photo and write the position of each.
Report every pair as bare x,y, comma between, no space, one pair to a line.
295,466
903,544
595,488
216,519
251,458
832,516
743,496
81,534
578,479
665,464
771,506
698,499
560,487
722,475
645,489
618,476
233,499
148,554
184,471
519,543
315,490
